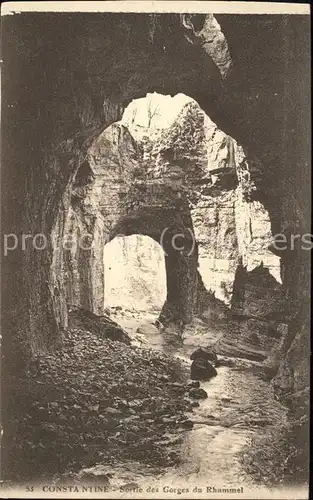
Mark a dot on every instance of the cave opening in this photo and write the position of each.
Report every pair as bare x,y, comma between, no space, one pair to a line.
134,275
164,173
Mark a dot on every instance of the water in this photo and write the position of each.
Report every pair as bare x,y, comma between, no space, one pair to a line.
240,405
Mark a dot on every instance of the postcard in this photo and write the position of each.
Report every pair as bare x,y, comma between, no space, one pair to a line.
156,214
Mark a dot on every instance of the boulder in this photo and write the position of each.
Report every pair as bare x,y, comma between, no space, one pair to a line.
148,329
201,369
198,394
188,424
94,475
103,326
194,404
193,385
203,353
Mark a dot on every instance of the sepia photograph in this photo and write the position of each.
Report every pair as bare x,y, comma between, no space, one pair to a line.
155,250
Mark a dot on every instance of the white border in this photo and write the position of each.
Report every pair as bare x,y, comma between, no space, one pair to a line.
230,7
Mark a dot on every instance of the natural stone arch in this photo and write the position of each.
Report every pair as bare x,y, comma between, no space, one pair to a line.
71,99
173,231
86,99
190,182
83,100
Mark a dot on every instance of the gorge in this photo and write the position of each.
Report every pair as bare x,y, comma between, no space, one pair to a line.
187,135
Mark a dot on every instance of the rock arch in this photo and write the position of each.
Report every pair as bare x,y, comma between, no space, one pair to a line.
188,186
71,99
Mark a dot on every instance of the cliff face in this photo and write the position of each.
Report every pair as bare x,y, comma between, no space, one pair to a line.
185,183
58,110
202,165
93,202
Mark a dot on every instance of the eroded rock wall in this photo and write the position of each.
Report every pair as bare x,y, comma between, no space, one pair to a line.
54,107
179,179
199,163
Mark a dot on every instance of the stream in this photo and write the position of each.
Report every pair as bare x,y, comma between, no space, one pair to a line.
240,405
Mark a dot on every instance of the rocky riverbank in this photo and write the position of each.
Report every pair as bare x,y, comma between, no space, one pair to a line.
107,412
99,400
